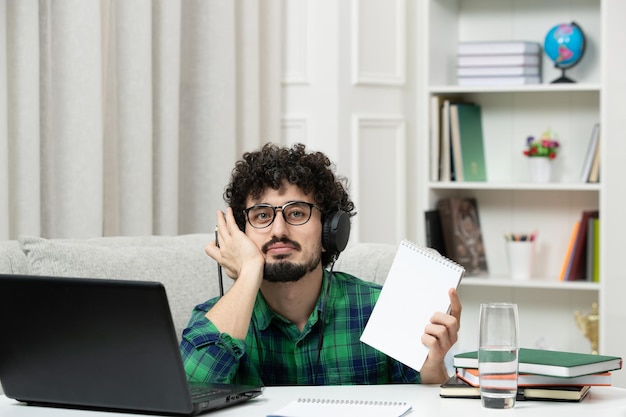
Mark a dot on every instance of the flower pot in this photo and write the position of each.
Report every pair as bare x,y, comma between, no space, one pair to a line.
540,169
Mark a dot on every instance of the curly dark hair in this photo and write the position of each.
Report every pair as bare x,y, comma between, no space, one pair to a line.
312,172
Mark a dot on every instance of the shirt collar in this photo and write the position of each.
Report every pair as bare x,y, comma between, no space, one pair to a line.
263,314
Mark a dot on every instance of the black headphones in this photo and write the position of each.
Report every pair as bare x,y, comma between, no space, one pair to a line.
336,231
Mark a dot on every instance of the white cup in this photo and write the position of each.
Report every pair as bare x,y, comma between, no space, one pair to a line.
521,256
498,349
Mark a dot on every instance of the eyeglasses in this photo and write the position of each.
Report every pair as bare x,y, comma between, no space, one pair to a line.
295,213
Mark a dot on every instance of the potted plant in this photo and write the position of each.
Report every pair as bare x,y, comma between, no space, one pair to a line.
541,152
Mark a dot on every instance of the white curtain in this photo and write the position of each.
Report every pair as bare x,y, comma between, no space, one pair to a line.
124,117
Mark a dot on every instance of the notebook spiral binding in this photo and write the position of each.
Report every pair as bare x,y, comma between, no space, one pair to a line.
433,254
351,402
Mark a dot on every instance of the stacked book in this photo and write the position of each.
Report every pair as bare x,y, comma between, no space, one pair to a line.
543,375
499,63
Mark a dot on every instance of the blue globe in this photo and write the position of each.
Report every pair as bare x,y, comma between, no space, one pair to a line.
565,44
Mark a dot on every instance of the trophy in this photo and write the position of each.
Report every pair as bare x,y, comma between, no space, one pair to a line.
588,325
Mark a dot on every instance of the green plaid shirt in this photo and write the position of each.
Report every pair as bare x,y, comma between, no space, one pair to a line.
275,352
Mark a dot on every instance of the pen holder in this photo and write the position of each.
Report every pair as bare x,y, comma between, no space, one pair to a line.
521,256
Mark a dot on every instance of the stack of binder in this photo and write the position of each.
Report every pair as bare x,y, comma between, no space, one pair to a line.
499,63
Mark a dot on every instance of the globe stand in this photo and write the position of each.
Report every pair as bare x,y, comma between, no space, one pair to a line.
562,78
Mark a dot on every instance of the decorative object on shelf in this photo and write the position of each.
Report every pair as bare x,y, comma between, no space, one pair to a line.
540,169
546,146
540,153
521,254
565,46
462,235
588,325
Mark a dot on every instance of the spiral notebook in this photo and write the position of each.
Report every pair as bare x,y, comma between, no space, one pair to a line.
317,407
416,287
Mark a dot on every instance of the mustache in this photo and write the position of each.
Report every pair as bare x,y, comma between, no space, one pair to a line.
284,240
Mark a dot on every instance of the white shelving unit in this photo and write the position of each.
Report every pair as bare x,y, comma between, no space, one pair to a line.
508,201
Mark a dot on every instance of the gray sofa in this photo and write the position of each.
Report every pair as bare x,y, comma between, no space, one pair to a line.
179,262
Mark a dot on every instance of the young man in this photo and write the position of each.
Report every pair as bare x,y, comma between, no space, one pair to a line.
287,320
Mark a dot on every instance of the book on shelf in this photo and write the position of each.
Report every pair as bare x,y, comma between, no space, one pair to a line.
455,144
567,260
470,375
578,263
493,81
592,148
444,143
467,142
551,362
503,60
596,250
436,104
594,173
460,224
434,232
489,47
592,267
447,171
333,407
416,286
507,71
456,387
591,250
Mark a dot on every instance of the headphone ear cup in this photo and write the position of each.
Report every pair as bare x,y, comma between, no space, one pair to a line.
336,231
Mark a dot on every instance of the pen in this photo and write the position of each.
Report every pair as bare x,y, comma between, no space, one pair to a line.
520,237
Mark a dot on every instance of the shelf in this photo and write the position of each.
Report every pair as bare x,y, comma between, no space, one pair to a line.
534,88
509,200
531,186
532,283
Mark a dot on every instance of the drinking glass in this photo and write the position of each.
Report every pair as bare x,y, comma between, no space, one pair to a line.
498,348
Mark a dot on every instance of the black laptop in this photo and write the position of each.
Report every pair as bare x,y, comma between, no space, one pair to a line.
98,344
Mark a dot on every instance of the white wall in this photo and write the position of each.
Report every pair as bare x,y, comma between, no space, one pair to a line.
347,92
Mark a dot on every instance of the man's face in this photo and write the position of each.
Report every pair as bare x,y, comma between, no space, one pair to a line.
290,251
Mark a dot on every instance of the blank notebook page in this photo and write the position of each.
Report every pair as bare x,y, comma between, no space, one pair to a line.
416,287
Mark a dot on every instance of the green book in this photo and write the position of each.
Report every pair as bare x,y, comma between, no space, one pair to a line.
467,141
551,362
596,250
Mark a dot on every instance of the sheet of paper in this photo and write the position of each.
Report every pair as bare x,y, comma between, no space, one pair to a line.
416,287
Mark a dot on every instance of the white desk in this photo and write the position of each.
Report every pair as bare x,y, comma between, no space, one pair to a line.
601,401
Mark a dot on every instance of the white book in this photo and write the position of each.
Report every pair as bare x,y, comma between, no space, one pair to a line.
455,143
591,152
594,175
498,48
490,81
416,287
497,71
498,60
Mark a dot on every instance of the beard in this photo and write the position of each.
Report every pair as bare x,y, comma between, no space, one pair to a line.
285,271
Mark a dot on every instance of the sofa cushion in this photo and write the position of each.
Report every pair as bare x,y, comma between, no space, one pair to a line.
178,262
368,261
12,259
